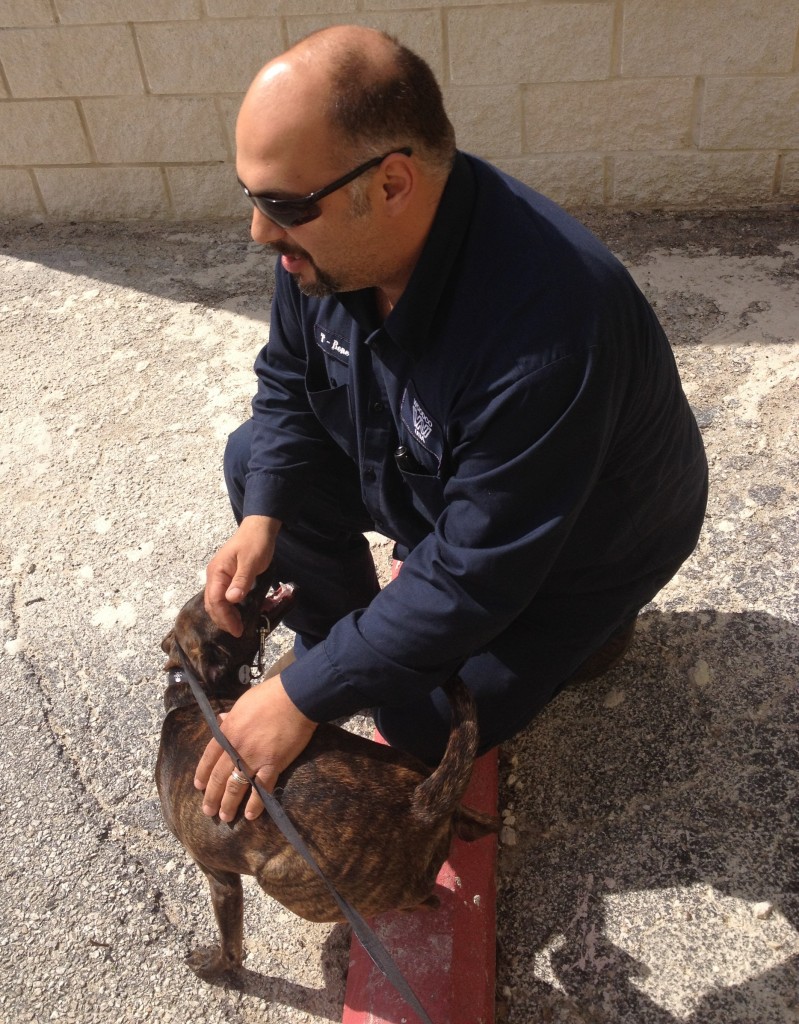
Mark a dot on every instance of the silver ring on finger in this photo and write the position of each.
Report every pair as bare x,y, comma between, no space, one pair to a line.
239,779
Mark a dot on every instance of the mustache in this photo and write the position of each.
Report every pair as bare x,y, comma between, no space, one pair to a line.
283,249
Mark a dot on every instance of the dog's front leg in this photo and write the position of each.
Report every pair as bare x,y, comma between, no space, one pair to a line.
228,902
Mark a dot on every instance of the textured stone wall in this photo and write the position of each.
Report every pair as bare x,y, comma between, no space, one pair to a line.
126,108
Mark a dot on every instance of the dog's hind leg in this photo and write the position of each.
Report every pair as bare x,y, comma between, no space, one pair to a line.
471,825
228,902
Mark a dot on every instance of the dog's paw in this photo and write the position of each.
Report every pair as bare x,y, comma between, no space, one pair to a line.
211,962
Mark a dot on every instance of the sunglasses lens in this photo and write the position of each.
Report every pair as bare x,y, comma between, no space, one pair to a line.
305,215
285,214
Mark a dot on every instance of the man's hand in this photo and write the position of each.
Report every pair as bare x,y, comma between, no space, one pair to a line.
268,731
231,573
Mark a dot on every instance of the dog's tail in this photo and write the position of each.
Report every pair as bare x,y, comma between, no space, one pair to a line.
440,793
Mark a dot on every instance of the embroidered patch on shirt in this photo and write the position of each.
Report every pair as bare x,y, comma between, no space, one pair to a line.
332,345
421,425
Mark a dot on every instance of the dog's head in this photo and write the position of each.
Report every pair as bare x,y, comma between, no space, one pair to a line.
217,656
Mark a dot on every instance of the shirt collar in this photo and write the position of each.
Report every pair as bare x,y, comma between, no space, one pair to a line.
410,321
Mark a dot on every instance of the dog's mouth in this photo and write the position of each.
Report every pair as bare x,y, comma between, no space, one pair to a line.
277,603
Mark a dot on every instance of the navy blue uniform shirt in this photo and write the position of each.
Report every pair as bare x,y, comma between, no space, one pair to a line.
550,449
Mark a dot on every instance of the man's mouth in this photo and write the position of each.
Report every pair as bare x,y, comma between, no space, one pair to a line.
289,253
291,259
311,280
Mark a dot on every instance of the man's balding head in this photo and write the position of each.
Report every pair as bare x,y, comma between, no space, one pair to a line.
361,92
342,98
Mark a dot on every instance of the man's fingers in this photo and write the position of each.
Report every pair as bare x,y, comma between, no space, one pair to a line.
234,788
255,805
225,787
219,575
221,791
241,584
206,764
223,613
236,791
223,593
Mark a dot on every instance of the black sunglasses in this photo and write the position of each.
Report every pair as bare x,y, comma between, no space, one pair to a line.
289,213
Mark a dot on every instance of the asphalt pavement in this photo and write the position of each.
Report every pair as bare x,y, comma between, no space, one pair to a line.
648,873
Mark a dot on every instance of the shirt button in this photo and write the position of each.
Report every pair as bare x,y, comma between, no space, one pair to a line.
377,407
369,475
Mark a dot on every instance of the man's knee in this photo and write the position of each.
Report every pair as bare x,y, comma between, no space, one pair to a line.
334,575
421,729
235,462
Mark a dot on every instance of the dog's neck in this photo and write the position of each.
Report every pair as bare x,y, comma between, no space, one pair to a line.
178,693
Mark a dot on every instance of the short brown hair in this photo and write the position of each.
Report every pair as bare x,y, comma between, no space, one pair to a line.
377,111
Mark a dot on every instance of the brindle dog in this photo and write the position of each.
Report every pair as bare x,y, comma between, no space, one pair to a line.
377,821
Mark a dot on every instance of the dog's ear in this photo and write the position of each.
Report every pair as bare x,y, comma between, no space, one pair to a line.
213,663
168,647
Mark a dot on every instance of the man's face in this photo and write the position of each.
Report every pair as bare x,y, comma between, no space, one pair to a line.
285,149
339,271
337,250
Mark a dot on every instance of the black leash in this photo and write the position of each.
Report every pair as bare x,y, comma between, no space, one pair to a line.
377,952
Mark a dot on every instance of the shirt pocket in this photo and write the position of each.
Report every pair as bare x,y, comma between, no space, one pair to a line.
420,473
420,455
331,406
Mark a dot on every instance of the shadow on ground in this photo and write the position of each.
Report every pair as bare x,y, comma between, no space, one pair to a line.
270,989
210,264
655,871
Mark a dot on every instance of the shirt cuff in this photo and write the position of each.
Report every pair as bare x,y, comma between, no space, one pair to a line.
266,494
318,690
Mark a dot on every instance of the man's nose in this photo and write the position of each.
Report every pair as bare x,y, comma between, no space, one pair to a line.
262,229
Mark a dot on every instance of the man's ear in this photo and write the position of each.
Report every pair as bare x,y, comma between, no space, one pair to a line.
399,182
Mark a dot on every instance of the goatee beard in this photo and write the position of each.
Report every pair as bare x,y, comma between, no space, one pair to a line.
322,286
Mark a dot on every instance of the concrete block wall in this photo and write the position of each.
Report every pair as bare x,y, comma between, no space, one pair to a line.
126,108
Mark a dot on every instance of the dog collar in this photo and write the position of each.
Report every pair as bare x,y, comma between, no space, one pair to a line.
178,692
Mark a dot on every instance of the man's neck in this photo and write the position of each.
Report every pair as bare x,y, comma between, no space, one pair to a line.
389,292
383,302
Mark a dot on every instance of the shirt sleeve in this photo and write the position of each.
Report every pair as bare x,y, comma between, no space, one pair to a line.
527,456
